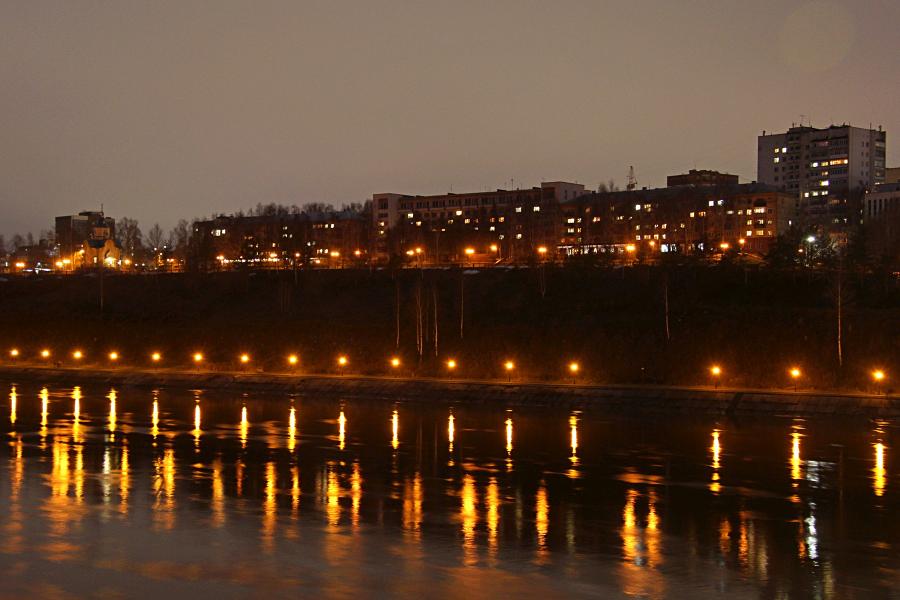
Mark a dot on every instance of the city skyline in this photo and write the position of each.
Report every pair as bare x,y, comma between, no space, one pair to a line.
161,114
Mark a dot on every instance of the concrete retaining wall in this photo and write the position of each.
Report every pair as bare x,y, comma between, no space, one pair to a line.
633,400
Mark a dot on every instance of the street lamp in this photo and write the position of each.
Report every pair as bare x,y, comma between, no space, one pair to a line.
198,358
78,355
45,353
14,353
293,360
113,356
716,372
795,374
574,368
395,362
509,366
451,365
156,357
342,362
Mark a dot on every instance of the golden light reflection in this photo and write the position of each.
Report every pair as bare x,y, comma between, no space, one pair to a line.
879,480
509,435
796,462
469,518
395,430
245,427
12,405
451,430
292,429
76,414
492,499
355,494
197,421
269,518
542,518
45,411
154,418
342,427
124,481
295,488
164,487
641,549
573,438
218,494
715,487
412,506
112,410
332,497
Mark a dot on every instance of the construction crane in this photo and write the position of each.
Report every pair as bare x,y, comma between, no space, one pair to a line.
631,184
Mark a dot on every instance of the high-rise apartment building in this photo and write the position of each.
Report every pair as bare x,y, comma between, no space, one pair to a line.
829,169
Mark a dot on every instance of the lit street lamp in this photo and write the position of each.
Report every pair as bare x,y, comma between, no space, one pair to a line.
510,367
716,372
795,374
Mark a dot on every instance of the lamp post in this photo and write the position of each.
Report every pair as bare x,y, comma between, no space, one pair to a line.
574,368
716,372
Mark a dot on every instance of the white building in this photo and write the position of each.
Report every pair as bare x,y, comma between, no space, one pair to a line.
829,169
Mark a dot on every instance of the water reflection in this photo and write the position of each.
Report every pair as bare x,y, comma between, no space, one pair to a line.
639,509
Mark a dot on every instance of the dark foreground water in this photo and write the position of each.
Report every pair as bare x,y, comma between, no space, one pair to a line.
193,494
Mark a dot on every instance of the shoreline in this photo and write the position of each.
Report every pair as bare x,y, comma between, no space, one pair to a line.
614,399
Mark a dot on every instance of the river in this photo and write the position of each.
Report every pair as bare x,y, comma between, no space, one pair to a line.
143,493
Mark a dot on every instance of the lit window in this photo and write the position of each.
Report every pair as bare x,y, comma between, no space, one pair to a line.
712,203
825,183
784,149
776,160
537,209
409,215
459,213
637,207
518,209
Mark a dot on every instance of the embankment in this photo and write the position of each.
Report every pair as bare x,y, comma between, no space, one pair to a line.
627,400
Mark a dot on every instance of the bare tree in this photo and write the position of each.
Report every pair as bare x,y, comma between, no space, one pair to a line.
155,236
129,235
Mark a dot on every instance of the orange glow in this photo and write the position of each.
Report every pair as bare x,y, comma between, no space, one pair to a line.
45,354
509,365
113,356
542,249
494,247
78,355
14,352
878,375
342,360
335,254
451,364
631,248
292,359
198,357
156,357
395,362
470,251
724,245
716,370
742,241
245,358
574,367
795,372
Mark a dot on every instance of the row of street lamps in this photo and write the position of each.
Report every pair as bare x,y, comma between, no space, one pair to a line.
795,374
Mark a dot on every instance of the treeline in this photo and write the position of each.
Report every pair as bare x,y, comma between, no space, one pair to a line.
176,242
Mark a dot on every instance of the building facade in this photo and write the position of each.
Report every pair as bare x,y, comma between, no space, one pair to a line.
72,231
499,226
678,219
333,239
697,177
828,169
881,219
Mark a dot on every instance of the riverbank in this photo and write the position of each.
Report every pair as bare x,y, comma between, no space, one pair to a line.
612,399
639,325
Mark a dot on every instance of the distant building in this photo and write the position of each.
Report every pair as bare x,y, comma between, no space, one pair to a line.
881,217
678,219
335,238
701,177
72,231
829,169
499,225
892,175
